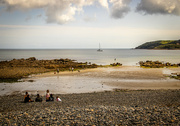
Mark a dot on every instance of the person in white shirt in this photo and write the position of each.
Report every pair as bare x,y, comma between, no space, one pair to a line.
58,99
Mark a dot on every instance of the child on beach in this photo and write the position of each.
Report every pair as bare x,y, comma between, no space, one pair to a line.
51,98
47,95
38,99
58,99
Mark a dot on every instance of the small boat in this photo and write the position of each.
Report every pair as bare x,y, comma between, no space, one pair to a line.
99,50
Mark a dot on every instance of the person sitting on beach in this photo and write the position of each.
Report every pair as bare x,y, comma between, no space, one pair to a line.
51,98
25,96
47,95
38,99
58,99
28,99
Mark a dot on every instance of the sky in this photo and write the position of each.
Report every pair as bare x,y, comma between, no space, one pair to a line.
60,24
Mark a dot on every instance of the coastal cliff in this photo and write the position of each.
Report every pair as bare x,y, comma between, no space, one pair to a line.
161,44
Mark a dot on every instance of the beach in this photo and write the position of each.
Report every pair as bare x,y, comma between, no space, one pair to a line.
124,95
120,107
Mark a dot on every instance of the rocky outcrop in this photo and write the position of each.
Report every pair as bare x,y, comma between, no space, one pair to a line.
18,68
116,64
157,64
48,64
175,75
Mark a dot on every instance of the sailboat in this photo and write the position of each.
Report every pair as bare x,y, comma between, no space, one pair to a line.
99,50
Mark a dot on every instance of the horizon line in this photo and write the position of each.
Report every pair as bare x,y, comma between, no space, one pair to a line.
56,48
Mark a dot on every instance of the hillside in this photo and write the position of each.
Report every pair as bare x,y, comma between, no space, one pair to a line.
162,44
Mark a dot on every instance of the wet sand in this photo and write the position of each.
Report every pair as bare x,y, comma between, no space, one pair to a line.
95,80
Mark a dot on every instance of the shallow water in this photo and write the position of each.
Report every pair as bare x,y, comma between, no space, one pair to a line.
68,84
57,85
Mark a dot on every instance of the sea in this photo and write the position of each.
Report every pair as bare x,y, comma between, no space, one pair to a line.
128,57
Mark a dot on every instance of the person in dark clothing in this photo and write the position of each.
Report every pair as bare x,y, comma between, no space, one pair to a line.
25,96
38,99
28,99
51,97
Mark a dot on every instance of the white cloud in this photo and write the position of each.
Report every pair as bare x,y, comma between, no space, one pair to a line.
63,11
104,3
119,8
90,19
159,7
57,11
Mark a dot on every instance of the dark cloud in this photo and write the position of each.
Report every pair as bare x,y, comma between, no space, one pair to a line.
159,7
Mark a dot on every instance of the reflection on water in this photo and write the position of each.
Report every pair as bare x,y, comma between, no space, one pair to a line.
80,84
57,85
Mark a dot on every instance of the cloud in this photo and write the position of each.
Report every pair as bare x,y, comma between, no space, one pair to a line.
104,3
57,11
64,11
119,8
90,19
159,7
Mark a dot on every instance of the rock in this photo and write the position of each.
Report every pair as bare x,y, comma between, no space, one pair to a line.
156,64
116,64
31,59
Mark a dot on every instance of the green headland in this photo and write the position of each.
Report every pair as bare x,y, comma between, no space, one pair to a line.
161,44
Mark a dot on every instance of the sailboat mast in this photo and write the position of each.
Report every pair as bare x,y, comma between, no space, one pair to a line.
100,50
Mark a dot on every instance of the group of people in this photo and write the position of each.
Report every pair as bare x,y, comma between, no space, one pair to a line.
49,97
71,69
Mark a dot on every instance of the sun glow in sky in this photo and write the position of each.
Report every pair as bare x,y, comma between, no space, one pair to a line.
86,23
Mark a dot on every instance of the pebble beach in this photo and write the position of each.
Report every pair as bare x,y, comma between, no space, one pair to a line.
118,107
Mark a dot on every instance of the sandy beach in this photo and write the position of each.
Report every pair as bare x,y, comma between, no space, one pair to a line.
95,80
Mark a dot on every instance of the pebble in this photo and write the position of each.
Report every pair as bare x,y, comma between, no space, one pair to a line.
117,108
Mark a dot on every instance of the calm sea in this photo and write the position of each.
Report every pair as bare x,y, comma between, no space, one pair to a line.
128,57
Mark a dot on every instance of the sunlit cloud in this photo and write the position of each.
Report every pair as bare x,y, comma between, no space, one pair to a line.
64,11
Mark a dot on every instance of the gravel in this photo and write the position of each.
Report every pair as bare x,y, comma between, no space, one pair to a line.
120,107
